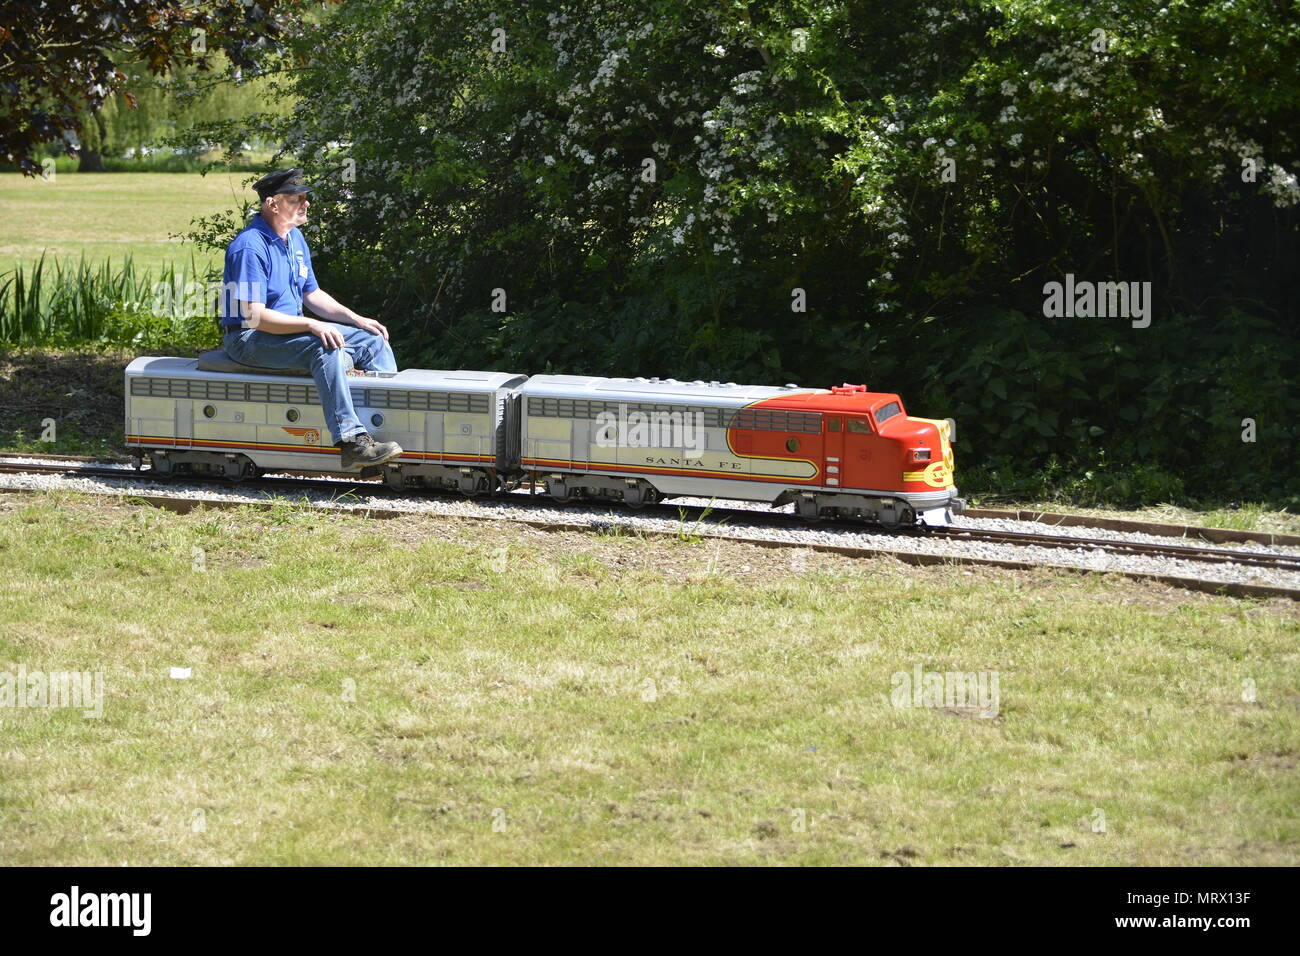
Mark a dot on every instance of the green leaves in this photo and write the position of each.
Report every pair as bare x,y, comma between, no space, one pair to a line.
820,170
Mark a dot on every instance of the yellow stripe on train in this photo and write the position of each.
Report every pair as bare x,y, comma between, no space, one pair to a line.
936,475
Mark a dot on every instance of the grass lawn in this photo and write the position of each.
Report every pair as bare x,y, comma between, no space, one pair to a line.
434,691
108,215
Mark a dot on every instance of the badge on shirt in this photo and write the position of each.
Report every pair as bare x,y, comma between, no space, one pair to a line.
302,272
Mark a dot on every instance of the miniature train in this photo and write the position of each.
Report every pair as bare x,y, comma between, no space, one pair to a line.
838,452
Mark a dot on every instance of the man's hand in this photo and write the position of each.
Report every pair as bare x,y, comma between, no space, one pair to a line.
370,325
327,332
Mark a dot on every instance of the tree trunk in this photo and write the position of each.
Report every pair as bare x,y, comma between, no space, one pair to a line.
92,156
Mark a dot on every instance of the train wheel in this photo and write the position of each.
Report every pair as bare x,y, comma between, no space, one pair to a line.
559,491
641,494
472,486
904,518
247,470
807,509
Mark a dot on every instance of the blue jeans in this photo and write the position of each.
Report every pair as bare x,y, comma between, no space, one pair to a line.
369,350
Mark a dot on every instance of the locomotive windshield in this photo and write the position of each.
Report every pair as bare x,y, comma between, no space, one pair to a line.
885,412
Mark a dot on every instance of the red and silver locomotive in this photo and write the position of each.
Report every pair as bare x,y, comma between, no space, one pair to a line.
843,451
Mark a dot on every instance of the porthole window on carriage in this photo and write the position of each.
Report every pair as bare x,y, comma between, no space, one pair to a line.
858,427
792,445
885,412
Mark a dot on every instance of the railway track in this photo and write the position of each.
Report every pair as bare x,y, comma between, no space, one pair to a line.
1189,548
1164,530
1193,552
1125,525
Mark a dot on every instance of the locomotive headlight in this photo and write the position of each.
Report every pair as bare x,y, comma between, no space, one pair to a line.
920,454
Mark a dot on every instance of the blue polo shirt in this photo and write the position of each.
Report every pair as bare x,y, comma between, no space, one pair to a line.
262,267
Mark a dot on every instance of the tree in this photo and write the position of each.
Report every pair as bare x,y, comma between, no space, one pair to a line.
649,182
58,62
167,107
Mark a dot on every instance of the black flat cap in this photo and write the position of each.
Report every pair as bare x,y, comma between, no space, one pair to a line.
281,181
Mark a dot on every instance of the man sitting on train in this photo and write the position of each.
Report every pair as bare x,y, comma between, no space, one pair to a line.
264,326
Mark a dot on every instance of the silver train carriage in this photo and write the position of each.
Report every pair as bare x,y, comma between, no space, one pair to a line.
214,416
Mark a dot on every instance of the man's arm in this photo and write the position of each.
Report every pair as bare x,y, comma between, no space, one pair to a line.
328,307
281,323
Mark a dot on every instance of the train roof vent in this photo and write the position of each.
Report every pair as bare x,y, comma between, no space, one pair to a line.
847,389
714,384
791,385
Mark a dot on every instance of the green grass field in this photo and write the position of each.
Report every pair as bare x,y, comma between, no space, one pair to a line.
106,216
434,691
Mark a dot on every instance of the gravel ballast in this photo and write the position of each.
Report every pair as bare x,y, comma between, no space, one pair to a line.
521,506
